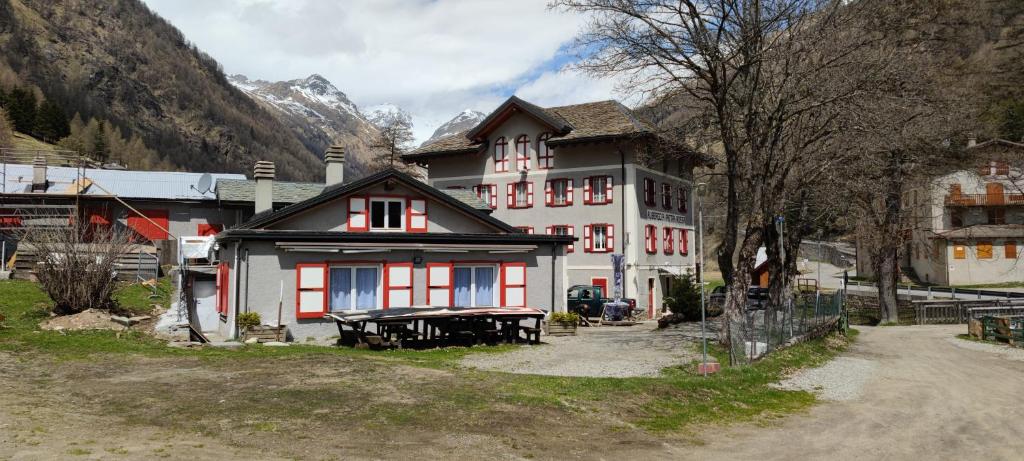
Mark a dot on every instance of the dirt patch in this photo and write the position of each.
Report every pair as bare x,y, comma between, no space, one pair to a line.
90,319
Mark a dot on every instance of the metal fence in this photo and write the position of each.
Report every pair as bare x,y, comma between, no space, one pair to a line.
761,331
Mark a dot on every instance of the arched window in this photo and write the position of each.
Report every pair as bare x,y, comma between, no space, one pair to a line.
522,152
545,157
500,154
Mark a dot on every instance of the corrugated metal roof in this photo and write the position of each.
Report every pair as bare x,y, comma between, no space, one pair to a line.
164,185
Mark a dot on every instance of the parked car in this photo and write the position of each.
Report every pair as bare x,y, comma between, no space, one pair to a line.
757,297
587,300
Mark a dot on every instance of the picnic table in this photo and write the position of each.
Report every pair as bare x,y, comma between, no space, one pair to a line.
437,326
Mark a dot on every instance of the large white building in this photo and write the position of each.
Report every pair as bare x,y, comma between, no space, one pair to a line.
595,171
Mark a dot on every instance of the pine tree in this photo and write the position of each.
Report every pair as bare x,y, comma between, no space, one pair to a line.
6,130
100,151
21,108
51,123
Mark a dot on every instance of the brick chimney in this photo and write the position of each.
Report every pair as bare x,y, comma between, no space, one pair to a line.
39,174
263,173
335,159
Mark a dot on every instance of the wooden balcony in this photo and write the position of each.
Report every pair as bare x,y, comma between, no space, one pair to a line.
966,200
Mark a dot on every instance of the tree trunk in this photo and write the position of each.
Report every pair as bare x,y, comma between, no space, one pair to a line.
887,270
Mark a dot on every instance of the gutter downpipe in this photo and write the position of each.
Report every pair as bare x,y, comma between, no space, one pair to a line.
554,254
246,259
233,327
622,206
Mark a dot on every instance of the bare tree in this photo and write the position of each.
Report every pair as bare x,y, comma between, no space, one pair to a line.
770,80
395,139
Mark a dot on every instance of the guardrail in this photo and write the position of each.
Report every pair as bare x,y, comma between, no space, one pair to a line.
984,199
953,311
952,291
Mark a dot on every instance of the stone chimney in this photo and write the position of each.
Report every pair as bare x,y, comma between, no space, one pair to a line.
335,159
263,173
39,174
972,141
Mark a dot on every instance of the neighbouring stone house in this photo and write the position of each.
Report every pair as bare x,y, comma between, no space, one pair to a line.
587,171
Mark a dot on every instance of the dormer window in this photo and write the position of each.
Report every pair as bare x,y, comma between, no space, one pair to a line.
545,156
522,152
387,214
500,155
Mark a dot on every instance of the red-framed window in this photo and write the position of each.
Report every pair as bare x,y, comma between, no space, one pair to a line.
439,284
682,199
500,155
1002,168
416,215
598,190
558,192
513,284
666,196
668,240
358,215
522,152
651,239
545,155
525,229
598,238
519,194
684,242
223,283
398,284
488,193
649,192
563,229
310,290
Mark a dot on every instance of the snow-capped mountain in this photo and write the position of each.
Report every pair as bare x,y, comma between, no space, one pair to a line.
317,112
462,122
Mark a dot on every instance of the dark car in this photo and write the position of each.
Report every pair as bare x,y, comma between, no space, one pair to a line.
757,297
588,300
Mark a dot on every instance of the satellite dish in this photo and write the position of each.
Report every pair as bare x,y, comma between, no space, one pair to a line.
205,182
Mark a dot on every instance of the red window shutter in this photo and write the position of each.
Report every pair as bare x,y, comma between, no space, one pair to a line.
684,243
310,290
222,284
568,191
609,243
439,284
550,230
529,194
511,195
549,194
513,285
358,215
416,215
669,240
588,241
494,196
608,188
572,232
206,230
397,285
651,238
588,195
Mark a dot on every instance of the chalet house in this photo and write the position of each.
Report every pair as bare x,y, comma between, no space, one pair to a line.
380,242
585,171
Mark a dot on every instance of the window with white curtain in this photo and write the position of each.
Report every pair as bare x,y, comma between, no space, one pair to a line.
354,288
475,286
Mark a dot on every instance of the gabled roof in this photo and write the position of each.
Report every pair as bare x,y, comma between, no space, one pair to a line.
592,121
337,191
244,190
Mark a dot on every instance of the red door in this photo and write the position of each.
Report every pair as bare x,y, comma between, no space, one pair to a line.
603,283
650,298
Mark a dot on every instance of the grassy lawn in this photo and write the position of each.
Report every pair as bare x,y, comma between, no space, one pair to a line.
258,396
137,298
993,285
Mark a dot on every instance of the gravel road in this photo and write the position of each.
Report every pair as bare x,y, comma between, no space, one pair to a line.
924,395
639,350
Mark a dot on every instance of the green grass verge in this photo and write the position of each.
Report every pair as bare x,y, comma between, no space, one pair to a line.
136,298
673,401
993,285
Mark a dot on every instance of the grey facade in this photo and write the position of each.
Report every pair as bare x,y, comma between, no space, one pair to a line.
271,257
585,151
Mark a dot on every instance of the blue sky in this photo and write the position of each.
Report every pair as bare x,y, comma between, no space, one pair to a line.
432,58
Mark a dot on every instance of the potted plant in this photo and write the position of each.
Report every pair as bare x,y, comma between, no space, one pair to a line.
563,323
248,322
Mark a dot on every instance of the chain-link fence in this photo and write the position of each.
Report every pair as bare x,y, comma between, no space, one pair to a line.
761,331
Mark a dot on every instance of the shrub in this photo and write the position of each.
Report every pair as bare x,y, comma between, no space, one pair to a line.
247,320
684,298
564,317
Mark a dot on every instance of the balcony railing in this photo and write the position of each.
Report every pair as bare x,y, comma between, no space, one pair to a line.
984,199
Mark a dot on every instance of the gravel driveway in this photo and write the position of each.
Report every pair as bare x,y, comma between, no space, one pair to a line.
923,394
639,350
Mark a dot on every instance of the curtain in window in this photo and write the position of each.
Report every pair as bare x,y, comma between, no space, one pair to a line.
341,288
463,286
366,288
485,286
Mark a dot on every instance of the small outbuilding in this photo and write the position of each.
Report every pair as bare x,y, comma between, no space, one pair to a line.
381,242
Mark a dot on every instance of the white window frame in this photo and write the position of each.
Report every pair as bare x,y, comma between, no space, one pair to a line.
386,228
565,192
596,181
603,241
526,194
352,293
495,285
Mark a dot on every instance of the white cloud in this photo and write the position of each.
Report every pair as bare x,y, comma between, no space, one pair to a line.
433,58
